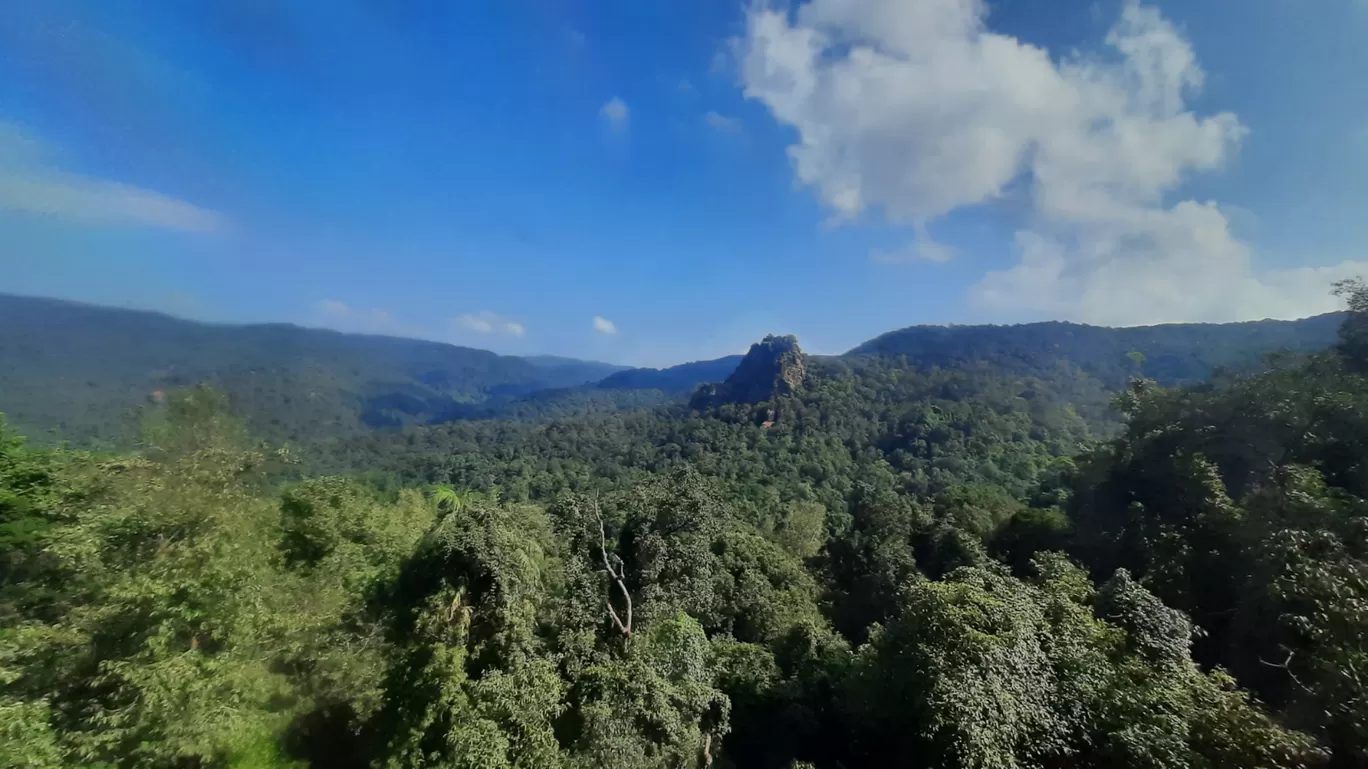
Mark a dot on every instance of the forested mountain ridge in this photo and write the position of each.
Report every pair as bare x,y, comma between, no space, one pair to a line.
841,563
573,371
80,370
676,380
784,427
1172,353
77,372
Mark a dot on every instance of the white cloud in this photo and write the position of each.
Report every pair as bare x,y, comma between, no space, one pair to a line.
913,109
604,326
722,122
486,322
30,182
616,113
333,307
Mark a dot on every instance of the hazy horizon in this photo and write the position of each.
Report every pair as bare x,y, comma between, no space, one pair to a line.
623,364
658,183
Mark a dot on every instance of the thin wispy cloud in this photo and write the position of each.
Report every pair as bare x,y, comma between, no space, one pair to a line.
616,113
31,182
341,316
721,63
604,326
332,307
917,251
923,249
722,123
486,322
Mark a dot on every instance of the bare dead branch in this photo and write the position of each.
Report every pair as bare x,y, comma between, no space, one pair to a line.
616,576
1285,665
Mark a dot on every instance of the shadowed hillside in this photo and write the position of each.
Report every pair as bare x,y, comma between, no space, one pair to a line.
80,370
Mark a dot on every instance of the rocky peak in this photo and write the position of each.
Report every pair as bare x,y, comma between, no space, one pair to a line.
774,367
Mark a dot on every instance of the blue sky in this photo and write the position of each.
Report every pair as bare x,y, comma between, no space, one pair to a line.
655,182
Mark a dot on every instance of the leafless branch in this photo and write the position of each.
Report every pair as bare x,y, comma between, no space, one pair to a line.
1286,665
616,576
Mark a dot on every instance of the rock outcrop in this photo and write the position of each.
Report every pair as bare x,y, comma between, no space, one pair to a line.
774,367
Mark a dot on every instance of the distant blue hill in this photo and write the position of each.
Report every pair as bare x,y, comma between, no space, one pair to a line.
80,372
679,379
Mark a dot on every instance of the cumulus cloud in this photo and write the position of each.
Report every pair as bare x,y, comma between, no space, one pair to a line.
616,113
604,326
485,322
30,182
914,108
722,123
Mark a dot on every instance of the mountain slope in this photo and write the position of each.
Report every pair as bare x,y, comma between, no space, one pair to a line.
783,425
80,370
675,379
1171,353
573,371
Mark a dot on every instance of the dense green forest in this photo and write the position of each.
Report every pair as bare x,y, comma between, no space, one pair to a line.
847,563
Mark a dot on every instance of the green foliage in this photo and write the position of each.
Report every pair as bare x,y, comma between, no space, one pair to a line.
1353,333
964,660
1000,673
803,529
1244,506
172,631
